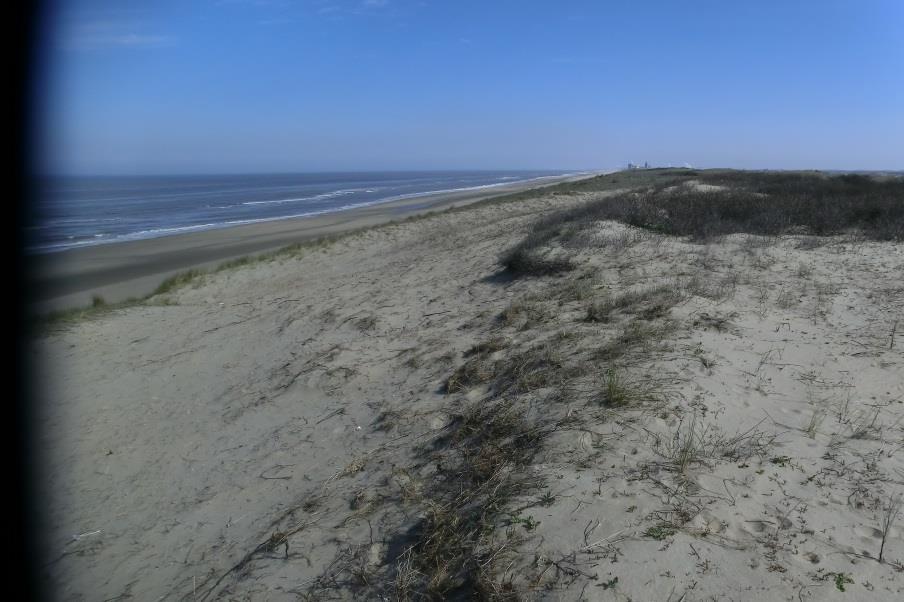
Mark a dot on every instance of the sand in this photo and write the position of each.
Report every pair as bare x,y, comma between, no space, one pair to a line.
275,431
116,272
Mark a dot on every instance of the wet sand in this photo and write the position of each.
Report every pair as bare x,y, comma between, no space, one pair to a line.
119,271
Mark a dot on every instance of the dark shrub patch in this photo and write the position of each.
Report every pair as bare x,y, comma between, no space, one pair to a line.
763,203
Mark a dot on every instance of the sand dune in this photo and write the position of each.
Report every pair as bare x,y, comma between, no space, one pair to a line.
669,421
134,268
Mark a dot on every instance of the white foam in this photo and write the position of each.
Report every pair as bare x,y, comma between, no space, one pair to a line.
159,232
317,197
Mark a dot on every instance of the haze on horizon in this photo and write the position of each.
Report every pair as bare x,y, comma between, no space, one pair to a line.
228,86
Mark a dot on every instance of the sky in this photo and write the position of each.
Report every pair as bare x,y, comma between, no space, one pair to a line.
239,86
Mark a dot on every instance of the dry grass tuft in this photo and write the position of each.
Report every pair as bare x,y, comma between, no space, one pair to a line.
535,368
696,443
619,392
476,371
523,315
649,303
638,338
453,552
487,347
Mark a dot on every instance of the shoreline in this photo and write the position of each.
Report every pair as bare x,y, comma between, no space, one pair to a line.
117,271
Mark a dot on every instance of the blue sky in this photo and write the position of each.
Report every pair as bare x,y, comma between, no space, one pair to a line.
202,86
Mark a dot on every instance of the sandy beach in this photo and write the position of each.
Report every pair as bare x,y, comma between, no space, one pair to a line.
122,270
395,416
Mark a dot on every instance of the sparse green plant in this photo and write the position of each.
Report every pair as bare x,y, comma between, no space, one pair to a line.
178,281
528,522
66,317
661,531
618,392
615,394
782,461
841,580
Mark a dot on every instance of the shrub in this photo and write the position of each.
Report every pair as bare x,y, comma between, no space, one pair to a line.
761,203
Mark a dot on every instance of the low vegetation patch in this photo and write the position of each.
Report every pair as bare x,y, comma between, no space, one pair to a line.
697,443
178,281
487,347
648,303
99,307
619,392
638,338
661,531
452,552
479,369
526,259
531,369
715,203
67,317
523,315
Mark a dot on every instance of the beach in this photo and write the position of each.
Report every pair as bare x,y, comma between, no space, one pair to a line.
120,270
479,403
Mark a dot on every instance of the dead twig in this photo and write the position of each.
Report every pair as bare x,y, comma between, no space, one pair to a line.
892,511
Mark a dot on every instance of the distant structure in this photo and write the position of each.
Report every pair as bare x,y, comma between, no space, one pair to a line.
646,165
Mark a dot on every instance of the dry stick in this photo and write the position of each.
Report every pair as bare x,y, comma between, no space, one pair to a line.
891,515
893,329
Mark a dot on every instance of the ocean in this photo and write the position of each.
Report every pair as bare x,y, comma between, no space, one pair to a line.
89,210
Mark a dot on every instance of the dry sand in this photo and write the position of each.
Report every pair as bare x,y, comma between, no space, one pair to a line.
269,432
119,271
